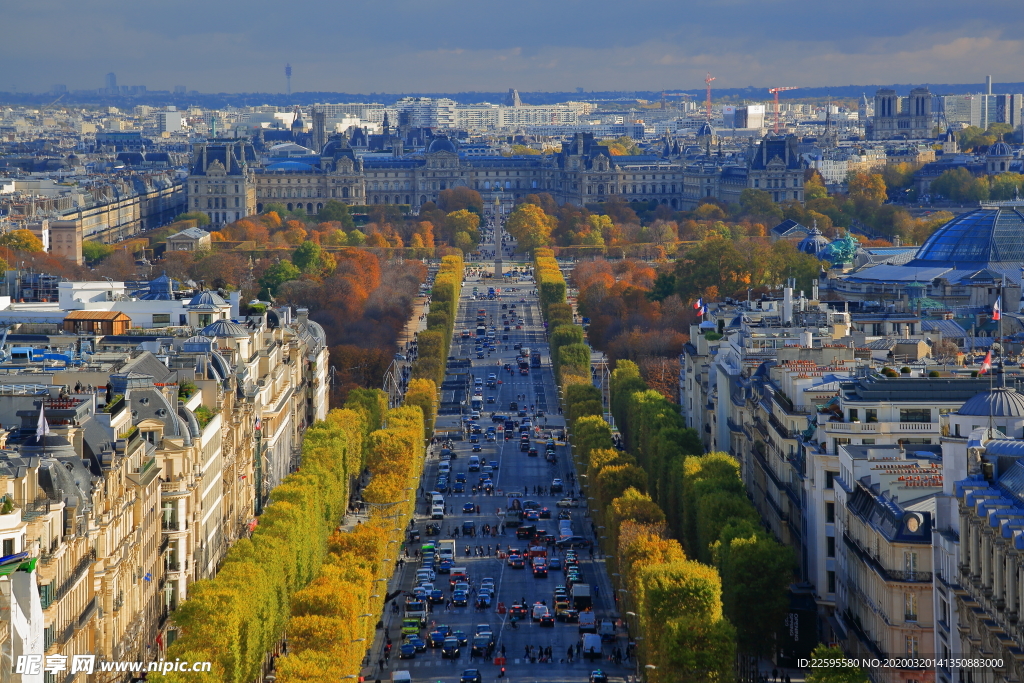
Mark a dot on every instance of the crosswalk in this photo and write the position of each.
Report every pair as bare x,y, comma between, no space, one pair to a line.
425,663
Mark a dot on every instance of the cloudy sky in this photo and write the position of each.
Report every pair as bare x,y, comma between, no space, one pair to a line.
457,45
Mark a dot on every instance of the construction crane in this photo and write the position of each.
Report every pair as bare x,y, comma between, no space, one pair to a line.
707,82
776,91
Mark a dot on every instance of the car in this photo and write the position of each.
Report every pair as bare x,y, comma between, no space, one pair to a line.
417,642
569,616
475,438
481,644
516,561
572,542
460,599
544,513
547,621
517,611
476,447
450,649
471,675
531,516
459,487
411,626
517,346
445,566
483,600
468,508
540,570
556,486
504,337
568,503
436,596
460,636
598,676
555,563
406,651
460,476
523,371
490,399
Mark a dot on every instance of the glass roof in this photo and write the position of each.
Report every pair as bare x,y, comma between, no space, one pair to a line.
989,234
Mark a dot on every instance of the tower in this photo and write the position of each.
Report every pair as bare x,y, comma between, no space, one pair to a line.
110,82
319,131
288,76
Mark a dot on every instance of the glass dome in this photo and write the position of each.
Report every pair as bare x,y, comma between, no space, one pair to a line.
989,234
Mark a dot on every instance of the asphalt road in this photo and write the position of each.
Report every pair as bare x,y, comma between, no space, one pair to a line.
516,471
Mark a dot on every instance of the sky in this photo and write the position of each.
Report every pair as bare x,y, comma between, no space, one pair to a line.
533,45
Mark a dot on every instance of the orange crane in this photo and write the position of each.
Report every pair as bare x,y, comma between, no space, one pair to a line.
776,91
707,81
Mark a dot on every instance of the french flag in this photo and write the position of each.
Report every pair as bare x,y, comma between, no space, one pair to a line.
986,364
997,312
698,304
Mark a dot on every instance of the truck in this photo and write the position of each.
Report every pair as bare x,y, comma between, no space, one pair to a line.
476,403
446,549
606,629
588,622
581,596
592,646
524,352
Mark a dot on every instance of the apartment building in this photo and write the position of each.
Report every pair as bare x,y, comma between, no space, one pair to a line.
127,495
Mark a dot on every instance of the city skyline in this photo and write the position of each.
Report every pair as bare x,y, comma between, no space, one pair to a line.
210,48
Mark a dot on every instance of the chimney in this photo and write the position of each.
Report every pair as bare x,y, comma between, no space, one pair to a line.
303,314
988,85
787,305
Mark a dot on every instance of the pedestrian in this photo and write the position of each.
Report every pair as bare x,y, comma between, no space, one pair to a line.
775,674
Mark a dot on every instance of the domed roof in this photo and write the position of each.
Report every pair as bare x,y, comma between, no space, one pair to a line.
999,402
207,298
705,129
989,234
441,144
813,243
1000,149
225,328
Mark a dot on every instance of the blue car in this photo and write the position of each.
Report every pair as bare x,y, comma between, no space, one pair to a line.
469,508
459,487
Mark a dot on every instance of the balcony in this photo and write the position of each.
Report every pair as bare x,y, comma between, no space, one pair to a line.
173,525
881,427
887,574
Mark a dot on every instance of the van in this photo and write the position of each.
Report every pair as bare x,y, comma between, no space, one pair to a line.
474,463
444,467
401,677
436,498
592,646
587,622
539,611
437,512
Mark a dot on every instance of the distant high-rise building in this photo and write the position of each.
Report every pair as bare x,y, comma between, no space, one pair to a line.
58,89
111,83
179,90
288,76
512,99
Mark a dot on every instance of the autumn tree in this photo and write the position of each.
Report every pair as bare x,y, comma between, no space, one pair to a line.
462,227
531,226
460,199
21,240
336,211
277,275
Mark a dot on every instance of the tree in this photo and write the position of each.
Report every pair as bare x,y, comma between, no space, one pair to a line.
759,203
277,275
834,674
460,198
867,189
94,251
21,240
202,220
531,226
336,211
463,229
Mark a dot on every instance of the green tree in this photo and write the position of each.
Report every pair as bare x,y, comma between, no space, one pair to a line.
834,674
336,211
94,251
695,650
1006,185
356,238
664,286
462,227
278,274
202,220
310,258
867,189
759,203
531,227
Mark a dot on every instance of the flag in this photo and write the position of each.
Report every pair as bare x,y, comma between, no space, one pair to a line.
986,364
698,304
997,309
259,423
42,427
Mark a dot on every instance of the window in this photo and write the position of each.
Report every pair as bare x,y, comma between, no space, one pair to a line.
161,319
9,547
871,415
868,442
854,415
910,606
915,414
830,479
830,513
830,546
912,646
910,561
831,581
